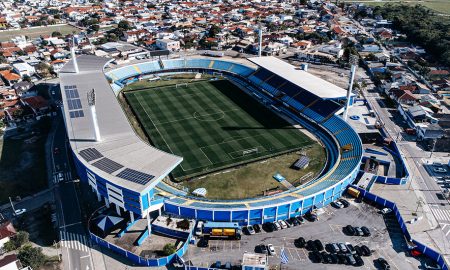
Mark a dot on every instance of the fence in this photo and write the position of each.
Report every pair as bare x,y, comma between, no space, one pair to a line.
136,259
432,254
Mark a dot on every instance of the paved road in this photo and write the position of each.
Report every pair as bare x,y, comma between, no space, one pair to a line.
422,183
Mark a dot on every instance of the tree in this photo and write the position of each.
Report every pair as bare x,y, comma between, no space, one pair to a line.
183,224
31,256
56,34
169,249
124,25
21,238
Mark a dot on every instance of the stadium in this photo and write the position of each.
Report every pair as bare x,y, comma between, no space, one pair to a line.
261,102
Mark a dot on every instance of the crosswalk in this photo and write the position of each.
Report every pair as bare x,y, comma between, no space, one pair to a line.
441,214
61,177
74,241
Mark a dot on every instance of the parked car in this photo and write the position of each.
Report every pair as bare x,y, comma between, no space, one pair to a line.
315,256
359,260
257,228
359,232
326,257
351,249
300,242
294,221
385,211
311,217
203,242
318,244
218,264
283,224
271,250
311,246
250,230
263,249
341,258
342,247
350,259
227,266
268,227
277,226
366,251
358,250
366,231
337,204
383,264
300,219
345,203
349,230
334,258
289,223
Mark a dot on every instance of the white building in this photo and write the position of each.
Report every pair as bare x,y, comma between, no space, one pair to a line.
24,69
168,44
252,261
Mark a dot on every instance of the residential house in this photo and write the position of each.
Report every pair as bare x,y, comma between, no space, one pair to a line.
38,104
7,231
168,44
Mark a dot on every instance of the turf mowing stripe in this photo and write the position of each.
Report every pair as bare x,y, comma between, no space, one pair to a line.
171,109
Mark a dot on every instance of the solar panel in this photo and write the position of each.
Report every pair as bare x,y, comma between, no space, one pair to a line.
107,165
135,176
90,154
301,162
76,114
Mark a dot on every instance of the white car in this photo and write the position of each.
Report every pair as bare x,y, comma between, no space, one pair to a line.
277,225
250,230
283,224
385,211
338,204
19,212
271,250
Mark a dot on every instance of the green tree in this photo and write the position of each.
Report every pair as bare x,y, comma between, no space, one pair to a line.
56,34
169,249
124,25
31,256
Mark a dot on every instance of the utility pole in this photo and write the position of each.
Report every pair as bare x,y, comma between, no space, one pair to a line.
432,149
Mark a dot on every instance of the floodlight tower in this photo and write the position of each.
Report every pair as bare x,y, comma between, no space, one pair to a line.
260,40
91,102
74,57
354,64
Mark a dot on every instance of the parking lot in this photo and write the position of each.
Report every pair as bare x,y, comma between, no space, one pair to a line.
386,241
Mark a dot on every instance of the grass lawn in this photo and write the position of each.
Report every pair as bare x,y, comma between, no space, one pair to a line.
38,31
254,178
440,6
22,165
213,125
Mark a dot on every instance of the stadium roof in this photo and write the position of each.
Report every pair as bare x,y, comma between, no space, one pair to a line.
301,78
120,154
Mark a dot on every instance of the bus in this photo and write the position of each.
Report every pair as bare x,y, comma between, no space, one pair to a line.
230,230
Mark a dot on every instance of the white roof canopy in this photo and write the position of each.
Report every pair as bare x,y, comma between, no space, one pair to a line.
301,78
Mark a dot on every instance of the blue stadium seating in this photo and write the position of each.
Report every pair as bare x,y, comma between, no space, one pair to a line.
174,63
221,65
242,70
198,63
325,107
148,67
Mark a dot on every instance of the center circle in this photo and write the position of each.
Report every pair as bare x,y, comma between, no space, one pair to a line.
209,116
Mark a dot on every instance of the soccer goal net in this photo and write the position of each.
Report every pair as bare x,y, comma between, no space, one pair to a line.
245,152
181,85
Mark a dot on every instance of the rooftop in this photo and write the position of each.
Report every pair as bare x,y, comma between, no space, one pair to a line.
301,78
120,151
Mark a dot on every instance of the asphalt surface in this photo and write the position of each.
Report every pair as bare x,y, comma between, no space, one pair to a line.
74,241
386,241
422,182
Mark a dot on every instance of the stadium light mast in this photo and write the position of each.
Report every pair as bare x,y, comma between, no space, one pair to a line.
260,37
74,57
91,102
354,64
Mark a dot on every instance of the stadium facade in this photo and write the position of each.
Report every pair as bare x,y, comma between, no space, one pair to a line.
127,173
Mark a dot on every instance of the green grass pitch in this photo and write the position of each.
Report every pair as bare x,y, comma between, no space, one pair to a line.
212,125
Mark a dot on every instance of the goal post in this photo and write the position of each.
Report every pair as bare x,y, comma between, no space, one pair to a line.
181,85
245,152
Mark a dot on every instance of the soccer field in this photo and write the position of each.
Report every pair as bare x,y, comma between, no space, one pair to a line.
212,125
